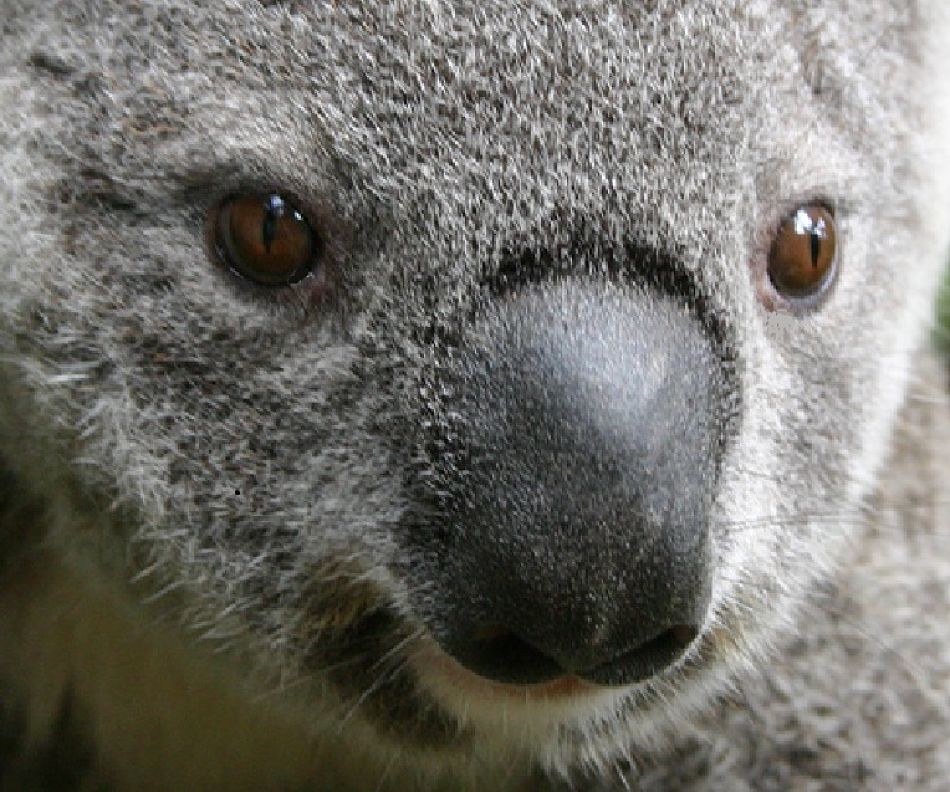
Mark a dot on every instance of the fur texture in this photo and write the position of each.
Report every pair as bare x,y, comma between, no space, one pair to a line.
211,492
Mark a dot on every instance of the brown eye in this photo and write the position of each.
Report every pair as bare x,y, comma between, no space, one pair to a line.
265,239
802,256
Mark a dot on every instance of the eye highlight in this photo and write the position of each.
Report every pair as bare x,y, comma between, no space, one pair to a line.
266,239
802,260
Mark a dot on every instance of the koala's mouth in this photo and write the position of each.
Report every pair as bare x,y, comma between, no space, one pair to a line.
393,675
397,680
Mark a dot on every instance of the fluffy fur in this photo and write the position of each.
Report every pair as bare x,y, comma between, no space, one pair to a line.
207,488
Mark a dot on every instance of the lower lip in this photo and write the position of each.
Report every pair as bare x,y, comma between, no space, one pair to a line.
433,659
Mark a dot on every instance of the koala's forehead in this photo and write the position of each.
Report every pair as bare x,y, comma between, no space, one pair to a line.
525,120
530,107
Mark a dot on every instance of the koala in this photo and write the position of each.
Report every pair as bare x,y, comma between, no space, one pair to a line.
473,395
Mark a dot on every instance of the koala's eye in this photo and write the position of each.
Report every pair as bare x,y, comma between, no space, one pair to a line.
803,254
265,239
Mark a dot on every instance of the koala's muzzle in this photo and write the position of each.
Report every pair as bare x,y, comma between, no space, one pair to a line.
587,447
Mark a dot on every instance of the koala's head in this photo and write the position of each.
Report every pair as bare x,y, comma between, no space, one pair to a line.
474,362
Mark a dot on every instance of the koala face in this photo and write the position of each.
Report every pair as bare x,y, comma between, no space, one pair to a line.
466,364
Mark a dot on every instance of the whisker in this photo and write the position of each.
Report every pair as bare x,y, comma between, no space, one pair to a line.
378,683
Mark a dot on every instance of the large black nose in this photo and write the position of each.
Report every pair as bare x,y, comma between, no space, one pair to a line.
585,442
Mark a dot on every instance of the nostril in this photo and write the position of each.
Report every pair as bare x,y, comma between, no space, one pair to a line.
647,659
669,644
497,653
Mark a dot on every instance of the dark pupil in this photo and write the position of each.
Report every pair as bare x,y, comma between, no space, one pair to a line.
815,228
815,247
274,209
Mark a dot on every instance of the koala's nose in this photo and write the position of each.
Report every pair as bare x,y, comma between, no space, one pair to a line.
585,463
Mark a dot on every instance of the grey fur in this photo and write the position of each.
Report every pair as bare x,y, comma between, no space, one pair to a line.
233,477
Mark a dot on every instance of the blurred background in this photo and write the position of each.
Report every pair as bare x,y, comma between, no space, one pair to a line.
943,318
